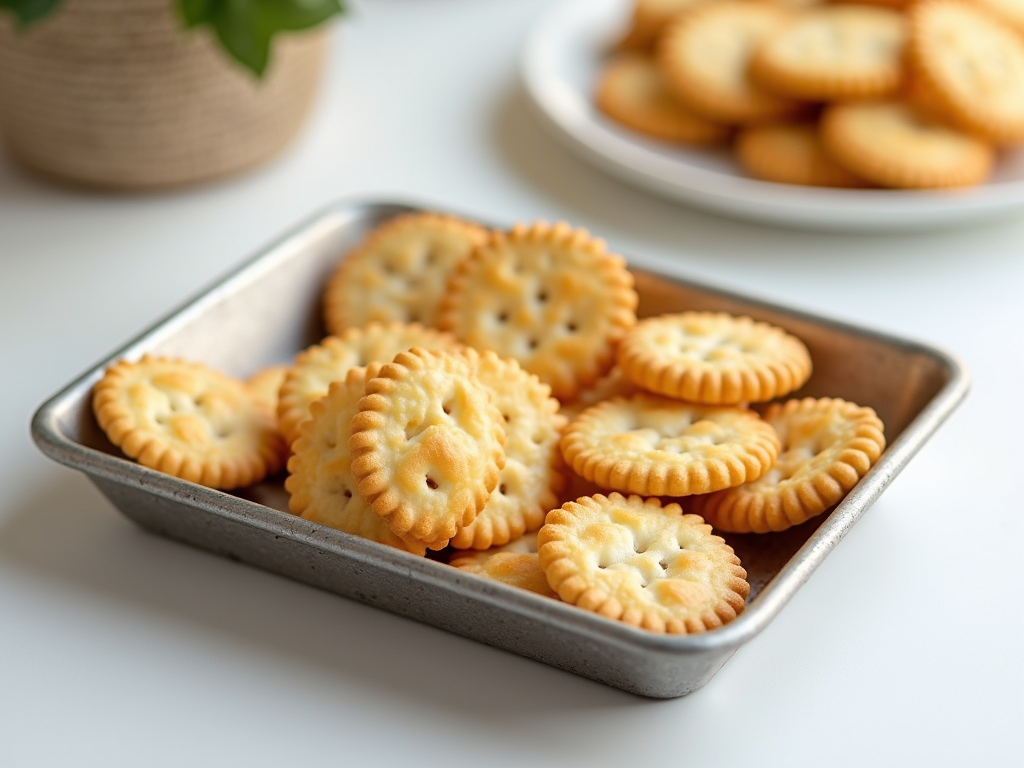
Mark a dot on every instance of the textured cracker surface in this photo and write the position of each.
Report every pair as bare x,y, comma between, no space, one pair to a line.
186,420
656,446
828,444
427,445
633,560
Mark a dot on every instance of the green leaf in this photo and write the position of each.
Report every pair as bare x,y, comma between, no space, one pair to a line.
247,28
284,15
196,12
243,32
27,12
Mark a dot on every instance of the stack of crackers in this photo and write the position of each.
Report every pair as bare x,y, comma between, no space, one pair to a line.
906,94
490,398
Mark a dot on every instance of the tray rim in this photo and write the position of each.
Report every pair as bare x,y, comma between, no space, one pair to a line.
773,596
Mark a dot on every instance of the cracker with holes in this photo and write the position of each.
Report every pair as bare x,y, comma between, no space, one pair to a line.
632,92
515,564
972,66
550,296
828,445
320,482
705,56
317,366
714,358
427,445
657,446
790,153
635,561
266,384
399,273
894,144
835,52
530,480
187,420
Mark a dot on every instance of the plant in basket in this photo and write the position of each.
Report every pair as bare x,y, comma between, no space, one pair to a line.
147,93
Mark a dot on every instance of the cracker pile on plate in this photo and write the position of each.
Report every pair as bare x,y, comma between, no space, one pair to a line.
491,399
906,94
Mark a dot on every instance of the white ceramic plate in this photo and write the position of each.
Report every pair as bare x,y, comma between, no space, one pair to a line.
560,64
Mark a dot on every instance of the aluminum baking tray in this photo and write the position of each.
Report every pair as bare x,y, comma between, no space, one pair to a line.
269,309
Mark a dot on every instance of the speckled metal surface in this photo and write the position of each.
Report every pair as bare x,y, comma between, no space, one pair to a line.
269,309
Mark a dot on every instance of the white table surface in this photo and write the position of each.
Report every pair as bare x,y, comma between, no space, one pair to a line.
121,648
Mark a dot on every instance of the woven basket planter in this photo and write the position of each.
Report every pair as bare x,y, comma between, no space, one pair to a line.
116,93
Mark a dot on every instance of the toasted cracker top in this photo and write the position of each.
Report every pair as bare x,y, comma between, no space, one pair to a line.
550,296
427,445
633,560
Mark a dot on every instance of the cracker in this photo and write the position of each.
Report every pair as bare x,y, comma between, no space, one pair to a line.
427,445
189,421
631,91
974,66
266,384
320,482
635,561
612,384
399,272
894,145
1010,12
515,564
714,358
656,446
649,19
791,153
530,480
828,445
704,56
317,366
834,52
550,296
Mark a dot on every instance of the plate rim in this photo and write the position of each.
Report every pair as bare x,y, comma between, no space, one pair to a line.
639,161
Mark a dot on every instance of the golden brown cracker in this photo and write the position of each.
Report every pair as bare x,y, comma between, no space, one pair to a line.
791,153
828,444
318,365
320,482
187,420
705,54
399,272
656,446
427,445
714,358
894,145
631,91
635,561
531,479
550,296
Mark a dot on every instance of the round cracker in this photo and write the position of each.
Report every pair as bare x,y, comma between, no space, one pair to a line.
631,91
656,446
835,52
973,65
515,564
317,366
320,483
550,296
714,358
828,445
187,420
704,56
531,479
427,445
894,145
635,561
791,153
399,272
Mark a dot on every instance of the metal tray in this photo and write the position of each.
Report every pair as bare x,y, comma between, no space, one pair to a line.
269,309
